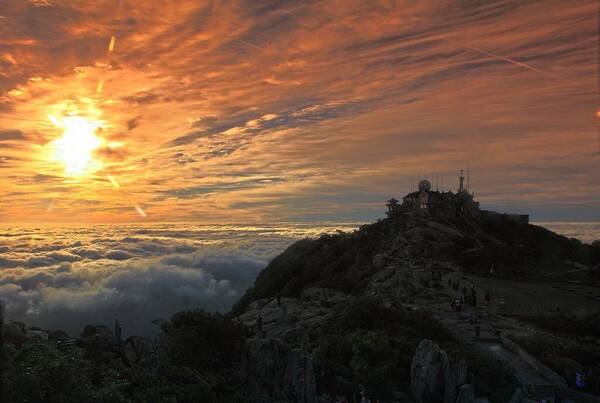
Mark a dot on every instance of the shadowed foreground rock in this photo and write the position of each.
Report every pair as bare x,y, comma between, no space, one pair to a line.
433,377
274,372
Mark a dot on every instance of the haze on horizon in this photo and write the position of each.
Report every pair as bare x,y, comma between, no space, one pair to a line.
122,110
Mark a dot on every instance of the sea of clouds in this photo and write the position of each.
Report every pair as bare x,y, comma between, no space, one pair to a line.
587,232
64,277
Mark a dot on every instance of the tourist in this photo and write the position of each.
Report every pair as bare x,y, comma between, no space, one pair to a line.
259,325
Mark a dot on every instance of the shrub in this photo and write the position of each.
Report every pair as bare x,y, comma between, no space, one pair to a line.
204,341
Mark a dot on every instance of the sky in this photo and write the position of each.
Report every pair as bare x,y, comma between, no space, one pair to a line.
274,111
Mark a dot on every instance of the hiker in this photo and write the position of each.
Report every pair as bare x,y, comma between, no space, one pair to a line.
488,297
259,324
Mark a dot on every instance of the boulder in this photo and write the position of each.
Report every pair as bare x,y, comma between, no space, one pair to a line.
427,373
455,375
129,354
433,377
275,372
139,350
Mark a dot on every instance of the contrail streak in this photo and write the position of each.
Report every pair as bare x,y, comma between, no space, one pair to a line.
506,59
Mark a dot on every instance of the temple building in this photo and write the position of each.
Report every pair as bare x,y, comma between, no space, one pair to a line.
436,203
445,204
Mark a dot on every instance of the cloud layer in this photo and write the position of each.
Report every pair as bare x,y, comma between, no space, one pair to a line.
67,277
297,110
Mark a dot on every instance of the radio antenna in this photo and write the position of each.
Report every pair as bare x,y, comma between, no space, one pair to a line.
468,175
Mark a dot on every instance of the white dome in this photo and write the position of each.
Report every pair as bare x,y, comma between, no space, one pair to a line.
424,185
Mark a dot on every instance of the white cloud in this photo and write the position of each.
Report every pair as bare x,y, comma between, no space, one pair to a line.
135,274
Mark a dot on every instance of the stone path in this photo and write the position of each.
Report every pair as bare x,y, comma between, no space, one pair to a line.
488,339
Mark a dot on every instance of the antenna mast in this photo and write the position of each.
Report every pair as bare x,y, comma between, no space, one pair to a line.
469,176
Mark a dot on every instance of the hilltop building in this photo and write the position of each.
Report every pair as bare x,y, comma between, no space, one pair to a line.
442,204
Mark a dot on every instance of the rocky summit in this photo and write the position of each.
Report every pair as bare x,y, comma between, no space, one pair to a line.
411,308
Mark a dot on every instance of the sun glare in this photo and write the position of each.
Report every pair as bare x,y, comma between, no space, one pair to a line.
76,146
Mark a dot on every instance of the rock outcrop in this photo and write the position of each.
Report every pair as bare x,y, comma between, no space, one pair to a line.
276,373
433,377
139,350
289,318
466,394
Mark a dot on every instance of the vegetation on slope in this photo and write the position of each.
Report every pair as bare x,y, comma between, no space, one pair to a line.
344,262
203,366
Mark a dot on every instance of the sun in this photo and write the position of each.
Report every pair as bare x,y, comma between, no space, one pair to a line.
75,148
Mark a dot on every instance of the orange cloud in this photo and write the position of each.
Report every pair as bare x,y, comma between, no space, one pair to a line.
269,111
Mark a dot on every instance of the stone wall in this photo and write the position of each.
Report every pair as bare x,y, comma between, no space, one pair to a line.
533,362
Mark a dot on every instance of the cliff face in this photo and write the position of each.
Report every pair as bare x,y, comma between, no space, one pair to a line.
434,377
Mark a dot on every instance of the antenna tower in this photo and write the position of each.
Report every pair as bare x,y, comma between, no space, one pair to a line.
469,176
